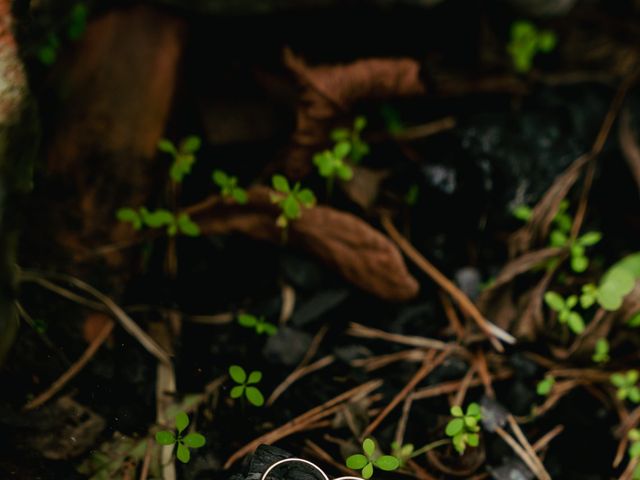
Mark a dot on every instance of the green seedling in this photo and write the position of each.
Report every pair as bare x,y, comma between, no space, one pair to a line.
601,353
634,450
246,385
368,459
526,42
183,155
626,384
566,315
402,452
259,324
182,442
229,187
411,197
332,164
634,320
522,212
545,385
290,200
464,427
158,219
358,149
76,25
577,248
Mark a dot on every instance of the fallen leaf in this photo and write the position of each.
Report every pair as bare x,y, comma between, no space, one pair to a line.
360,253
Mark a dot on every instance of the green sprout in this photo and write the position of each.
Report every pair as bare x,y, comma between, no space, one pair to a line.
290,200
368,459
357,147
183,442
258,323
526,41
545,385
157,219
411,197
183,156
464,427
76,25
229,187
246,385
566,315
522,212
634,450
627,385
332,164
579,261
402,452
601,352
634,320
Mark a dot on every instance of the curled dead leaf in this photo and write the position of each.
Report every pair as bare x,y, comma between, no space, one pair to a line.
361,254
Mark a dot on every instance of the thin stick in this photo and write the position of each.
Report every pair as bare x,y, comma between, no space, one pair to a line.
547,437
544,475
490,330
464,386
75,368
520,452
319,452
358,330
297,374
147,460
429,364
452,315
127,323
453,386
402,424
483,372
373,363
304,421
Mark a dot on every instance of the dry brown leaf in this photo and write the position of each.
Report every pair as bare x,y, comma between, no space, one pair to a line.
120,80
331,90
360,253
629,145
363,188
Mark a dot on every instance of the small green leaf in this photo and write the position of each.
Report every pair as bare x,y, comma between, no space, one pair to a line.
280,183
367,471
589,239
368,446
237,391
190,144
290,207
247,320
522,212
237,373
558,238
129,215
158,218
165,438
473,439
220,178
166,146
183,453
634,320
618,380
187,226
240,195
357,461
576,323
554,301
454,427
474,410
306,197
254,396
254,377
579,264
634,450
182,421
360,123
546,41
388,463
340,134
342,149
194,440
456,411
270,329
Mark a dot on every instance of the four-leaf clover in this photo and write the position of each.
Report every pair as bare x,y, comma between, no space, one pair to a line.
229,187
565,310
183,156
183,442
290,200
366,460
627,385
464,427
246,385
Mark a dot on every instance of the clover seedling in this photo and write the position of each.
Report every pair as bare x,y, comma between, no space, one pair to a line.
332,164
601,353
626,384
526,41
464,427
245,385
545,386
229,187
290,200
402,452
368,459
357,147
159,218
183,442
258,323
566,315
183,155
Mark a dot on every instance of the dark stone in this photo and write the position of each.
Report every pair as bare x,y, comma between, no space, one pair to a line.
287,347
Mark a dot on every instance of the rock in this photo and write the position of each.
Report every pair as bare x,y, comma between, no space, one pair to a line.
287,347
319,304
468,279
